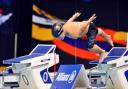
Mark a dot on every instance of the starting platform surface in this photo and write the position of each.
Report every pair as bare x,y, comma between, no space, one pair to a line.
114,53
39,50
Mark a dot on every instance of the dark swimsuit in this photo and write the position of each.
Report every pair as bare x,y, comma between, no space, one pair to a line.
91,35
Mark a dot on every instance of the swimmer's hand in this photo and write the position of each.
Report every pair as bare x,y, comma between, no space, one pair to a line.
77,14
93,17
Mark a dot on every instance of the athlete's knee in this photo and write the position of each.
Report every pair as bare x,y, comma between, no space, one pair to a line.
90,45
102,51
100,31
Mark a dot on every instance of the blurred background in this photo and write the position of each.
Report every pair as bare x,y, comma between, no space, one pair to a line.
26,23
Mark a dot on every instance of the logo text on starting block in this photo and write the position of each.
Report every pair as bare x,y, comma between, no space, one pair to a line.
66,77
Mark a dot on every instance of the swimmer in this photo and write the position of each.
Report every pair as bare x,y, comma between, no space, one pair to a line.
77,29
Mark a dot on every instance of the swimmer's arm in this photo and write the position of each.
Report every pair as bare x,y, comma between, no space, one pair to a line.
76,15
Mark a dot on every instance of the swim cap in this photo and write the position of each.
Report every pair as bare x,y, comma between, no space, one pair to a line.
57,29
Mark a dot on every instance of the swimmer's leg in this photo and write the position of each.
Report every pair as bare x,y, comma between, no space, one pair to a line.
100,51
105,36
91,37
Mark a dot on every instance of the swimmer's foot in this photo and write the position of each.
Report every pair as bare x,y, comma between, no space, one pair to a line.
102,56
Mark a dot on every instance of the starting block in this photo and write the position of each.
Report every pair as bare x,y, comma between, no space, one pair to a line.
32,69
117,63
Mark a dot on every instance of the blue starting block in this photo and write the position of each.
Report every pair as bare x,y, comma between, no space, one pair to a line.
39,50
114,53
114,67
32,69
